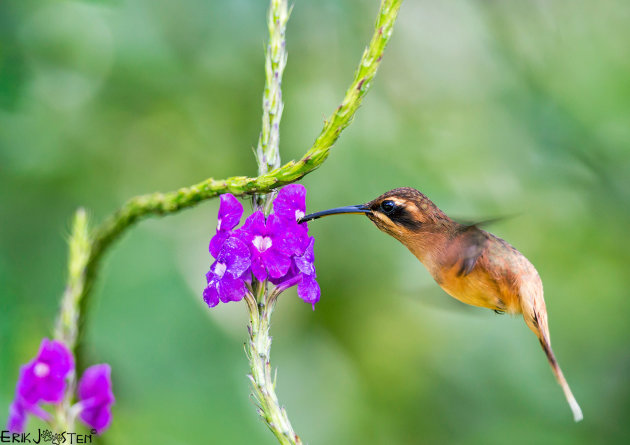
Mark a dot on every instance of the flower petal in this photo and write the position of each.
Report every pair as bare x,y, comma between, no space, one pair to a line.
96,397
292,277
230,212
236,256
277,263
305,263
291,202
57,355
44,377
217,242
308,290
17,417
210,276
288,236
291,273
258,268
96,382
210,295
254,225
99,417
51,390
231,289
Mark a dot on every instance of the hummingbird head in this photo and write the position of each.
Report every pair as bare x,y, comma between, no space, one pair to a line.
404,211
400,212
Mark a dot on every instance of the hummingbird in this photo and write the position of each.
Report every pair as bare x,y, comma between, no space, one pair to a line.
470,264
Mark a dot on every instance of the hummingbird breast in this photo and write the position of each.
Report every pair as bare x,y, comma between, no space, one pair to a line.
480,288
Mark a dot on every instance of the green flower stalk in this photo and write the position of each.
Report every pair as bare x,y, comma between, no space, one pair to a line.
66,329
258,350
79,247
267,152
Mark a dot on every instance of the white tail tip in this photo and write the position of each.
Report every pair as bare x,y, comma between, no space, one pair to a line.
577,411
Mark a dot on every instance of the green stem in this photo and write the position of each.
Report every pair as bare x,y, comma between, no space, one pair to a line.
267,152
258,350
261,304
66,329
79,253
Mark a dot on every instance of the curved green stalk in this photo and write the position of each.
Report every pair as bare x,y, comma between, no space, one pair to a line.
86,250
157,204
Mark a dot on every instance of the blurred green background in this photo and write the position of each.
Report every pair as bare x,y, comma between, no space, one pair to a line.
490,108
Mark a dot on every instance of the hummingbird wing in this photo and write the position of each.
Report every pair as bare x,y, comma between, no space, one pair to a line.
486,222
465,248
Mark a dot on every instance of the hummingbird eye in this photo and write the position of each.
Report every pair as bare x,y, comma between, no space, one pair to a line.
388,206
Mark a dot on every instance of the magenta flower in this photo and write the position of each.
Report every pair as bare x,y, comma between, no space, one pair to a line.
230,212
268,243
302,273
225,277
275,248
44,377
96,397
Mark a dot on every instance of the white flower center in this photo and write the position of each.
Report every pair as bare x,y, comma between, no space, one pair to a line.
299,215
41,370
219,224
261,243
219,270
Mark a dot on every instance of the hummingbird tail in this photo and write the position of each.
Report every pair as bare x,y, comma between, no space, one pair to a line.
535,315
575,407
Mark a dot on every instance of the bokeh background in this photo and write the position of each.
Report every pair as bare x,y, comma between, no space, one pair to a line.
491,108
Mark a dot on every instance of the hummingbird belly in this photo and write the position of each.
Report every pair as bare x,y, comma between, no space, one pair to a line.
479,288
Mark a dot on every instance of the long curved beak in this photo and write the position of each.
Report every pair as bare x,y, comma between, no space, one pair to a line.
361,208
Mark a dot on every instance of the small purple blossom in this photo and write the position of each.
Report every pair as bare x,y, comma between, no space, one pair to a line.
96,397
44,377
225,281
275,248
302,273
230,212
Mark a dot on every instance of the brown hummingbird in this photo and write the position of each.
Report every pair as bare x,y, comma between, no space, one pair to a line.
470,264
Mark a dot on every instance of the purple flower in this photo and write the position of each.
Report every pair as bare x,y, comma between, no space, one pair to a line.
230,212
302,272
275,248
44,377
41,379
225,281
96,397
269,244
